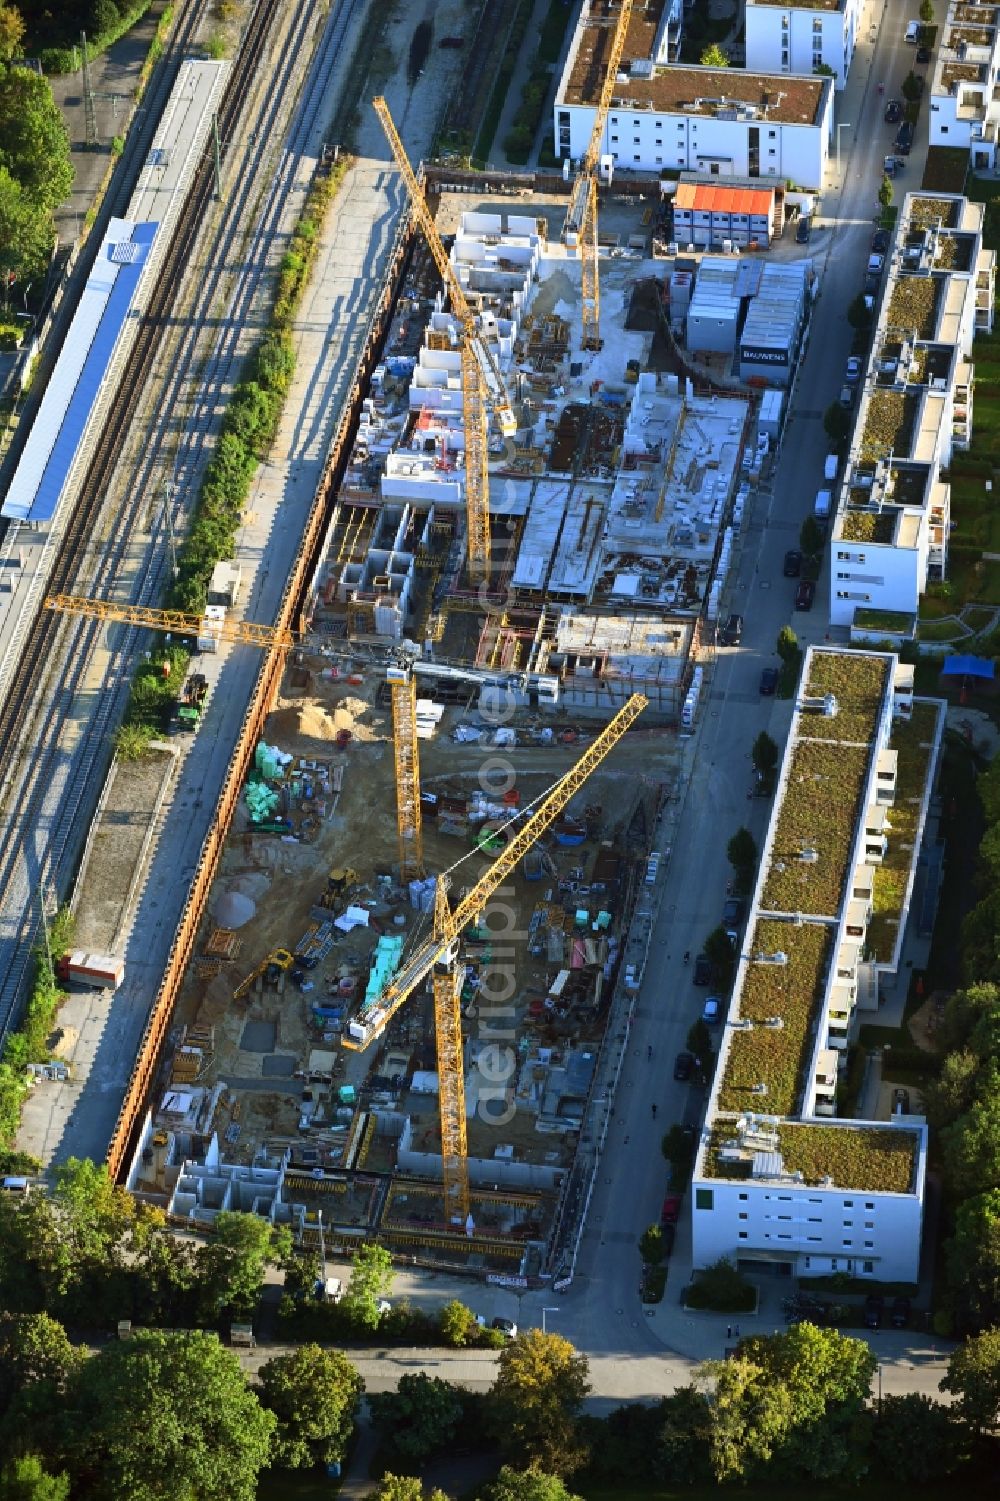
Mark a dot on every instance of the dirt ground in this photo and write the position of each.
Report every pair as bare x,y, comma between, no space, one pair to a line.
283,880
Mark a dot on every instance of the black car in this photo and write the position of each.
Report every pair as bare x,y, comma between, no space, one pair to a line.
880,242
732,915
669,1234
805,594
894,112
768,682
793,563
703,971
732,631
923,54
683,1066
874,1310
803,230
904,138
899,1314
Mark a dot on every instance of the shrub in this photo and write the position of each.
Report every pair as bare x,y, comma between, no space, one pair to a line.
721,1288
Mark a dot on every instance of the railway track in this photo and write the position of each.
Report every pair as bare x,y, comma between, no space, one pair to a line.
30,751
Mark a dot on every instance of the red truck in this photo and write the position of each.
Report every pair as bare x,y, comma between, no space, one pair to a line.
103,971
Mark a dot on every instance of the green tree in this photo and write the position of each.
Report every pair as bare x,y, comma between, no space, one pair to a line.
837,422
741,852
527,1485
371,1281
885,192
34,141
926,12
26,1479
811,537
973,1377
787,647
160,1416
718,950
682,1450
764,753
699,1038
536,1399
859,314
972,1258
314,1395
95,1211
458,1324
911,87
25,231
232,1266
420,1418
651,1246
918,1440
11,32
36,1363
721,1286
972,1145
750,1417
952,1092
713,57
963,1012
988,790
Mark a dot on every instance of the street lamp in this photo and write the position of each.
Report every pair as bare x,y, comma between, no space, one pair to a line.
544,1312
844,125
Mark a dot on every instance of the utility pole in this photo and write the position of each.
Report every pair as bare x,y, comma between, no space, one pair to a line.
89,109
216,155
45,924
168,491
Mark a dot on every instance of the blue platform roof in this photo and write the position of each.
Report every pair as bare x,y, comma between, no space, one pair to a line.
59,427
967,667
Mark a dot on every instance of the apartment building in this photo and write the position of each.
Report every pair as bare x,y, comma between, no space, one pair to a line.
802,36
890,534
718,122
782,1175
964,103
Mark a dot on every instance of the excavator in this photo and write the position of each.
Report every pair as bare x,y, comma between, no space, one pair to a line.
272,966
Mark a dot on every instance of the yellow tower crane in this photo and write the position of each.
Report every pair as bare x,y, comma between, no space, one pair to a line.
482,383
438,956
401,681
581,216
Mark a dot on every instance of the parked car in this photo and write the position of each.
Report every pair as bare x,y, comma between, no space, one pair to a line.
875,264
669,1235
892,166
733,914
711,1012
703,970
912,32
923,56
874,1310
904,138
671,1211
880,241
793,563
805,594
846,398
768,682
803,230
894,112
732,631
505,1326
899,1314
683,1066
900,1102
853,374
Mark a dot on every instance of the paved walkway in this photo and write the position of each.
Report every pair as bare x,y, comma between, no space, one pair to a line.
527,57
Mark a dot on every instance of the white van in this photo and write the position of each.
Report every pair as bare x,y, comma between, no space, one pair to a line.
821,509
912,32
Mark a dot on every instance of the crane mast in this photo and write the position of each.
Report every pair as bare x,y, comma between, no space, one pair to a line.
581,215
409,824
482,383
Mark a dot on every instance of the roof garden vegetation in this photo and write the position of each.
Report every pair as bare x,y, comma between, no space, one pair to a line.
776,1056
927,212
857,681
868,526
913,741
863,1158
913,305
818,817
888,425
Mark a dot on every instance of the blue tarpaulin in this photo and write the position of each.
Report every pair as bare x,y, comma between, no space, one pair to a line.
967,667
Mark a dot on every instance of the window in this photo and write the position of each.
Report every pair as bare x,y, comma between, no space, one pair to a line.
704,1198
743,1214
848,1203
772,135
848,1224
817,26
869,1206
637,158
771,151
614,119
868,1266
743,1235
869,1224
614,140
659,160
869,1245
744,1197
846,1242
944,130
635,140
637,123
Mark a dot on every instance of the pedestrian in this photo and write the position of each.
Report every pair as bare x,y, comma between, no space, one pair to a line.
736,1331
654,1112
626,1141
729,1331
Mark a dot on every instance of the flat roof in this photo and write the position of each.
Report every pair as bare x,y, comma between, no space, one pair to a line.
801,4
782,98
56,433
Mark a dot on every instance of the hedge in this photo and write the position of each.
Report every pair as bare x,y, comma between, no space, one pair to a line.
67,59
29,1043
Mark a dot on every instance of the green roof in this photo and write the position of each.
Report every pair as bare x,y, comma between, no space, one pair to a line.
867,1159
913,741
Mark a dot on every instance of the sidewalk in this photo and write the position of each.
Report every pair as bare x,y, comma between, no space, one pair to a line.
525,60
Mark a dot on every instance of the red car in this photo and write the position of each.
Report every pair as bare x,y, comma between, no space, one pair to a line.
670,1213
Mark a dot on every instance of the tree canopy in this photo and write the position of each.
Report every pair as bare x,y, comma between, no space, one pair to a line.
314,1395
162,1416
539,1389
370,1282
973,1377
527,1485
420,1418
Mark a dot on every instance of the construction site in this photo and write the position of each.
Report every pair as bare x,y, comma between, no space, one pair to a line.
434,892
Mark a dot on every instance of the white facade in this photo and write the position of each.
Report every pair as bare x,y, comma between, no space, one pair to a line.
964,110
890,535
799,38
723,123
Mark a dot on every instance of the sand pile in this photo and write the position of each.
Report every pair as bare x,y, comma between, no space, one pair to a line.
312,720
